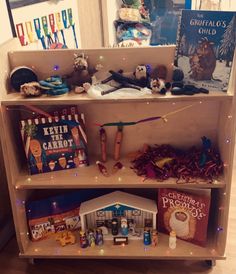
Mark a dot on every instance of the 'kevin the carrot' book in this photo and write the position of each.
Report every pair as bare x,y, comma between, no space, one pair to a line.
55,143
205,48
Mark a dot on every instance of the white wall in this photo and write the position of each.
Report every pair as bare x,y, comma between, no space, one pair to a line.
5,27
112,14
28,13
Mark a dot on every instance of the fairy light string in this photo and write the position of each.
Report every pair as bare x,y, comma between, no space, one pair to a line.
149,119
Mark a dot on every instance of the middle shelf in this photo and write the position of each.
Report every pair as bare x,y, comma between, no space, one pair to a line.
90,177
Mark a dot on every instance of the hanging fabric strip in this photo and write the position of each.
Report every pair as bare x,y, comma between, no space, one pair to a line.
30,32
53,27
38,31
72,24
60,26
21,33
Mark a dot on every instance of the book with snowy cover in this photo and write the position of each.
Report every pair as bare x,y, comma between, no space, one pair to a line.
205,48
185,212
55,143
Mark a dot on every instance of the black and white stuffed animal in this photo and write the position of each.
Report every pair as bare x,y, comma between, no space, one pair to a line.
142,75
158,86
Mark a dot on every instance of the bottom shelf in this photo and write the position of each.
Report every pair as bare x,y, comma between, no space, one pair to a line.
134,250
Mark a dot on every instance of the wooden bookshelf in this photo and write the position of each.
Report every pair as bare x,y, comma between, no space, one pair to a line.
211,115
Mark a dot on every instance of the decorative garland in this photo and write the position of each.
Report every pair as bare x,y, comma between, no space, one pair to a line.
149,119
164,161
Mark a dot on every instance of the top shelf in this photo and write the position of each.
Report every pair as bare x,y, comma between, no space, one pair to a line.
72,98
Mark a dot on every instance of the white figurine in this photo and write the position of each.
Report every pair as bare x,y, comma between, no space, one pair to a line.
172,240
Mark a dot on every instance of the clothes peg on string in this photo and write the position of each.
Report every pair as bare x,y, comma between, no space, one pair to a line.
30,32
64,19
53,27
46,31
60,26
72,24
38,31
21,34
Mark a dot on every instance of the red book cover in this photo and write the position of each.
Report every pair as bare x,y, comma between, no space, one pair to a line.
184,212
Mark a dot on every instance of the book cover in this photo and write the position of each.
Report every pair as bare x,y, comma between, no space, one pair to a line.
53,144
164,17
184,212
58,213
205,48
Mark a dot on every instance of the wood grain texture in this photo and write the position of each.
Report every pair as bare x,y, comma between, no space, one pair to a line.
90,23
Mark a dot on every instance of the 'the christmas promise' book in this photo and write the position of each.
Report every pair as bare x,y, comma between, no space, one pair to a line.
185,213
205,48
55,143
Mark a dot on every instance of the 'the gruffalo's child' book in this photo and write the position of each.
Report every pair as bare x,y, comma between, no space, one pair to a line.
184,212
205,48
55,143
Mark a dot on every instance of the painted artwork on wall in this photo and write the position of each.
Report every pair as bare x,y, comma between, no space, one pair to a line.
20,3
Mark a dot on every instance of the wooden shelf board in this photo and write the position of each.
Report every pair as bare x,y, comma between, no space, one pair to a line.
72,98
134,250
90,177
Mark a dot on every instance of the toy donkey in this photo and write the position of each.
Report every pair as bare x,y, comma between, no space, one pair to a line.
82,77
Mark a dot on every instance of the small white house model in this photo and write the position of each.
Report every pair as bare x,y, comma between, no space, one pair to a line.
100,211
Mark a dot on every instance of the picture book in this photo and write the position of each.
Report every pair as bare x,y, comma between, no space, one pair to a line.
185,213
54,214
164,17
205,48
55,143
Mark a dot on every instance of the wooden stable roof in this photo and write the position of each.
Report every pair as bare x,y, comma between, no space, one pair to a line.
118,197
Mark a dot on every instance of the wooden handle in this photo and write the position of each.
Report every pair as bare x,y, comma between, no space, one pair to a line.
118,140
103,143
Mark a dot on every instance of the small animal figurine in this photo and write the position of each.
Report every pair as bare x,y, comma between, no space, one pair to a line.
31,89
124,227
154,237
99,237
65,238
81,78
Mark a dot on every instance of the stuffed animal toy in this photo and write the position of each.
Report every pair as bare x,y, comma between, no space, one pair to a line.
157,82
158,86
141,74
81,78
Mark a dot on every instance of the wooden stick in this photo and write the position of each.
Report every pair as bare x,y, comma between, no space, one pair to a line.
118,140
103,142
38,110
